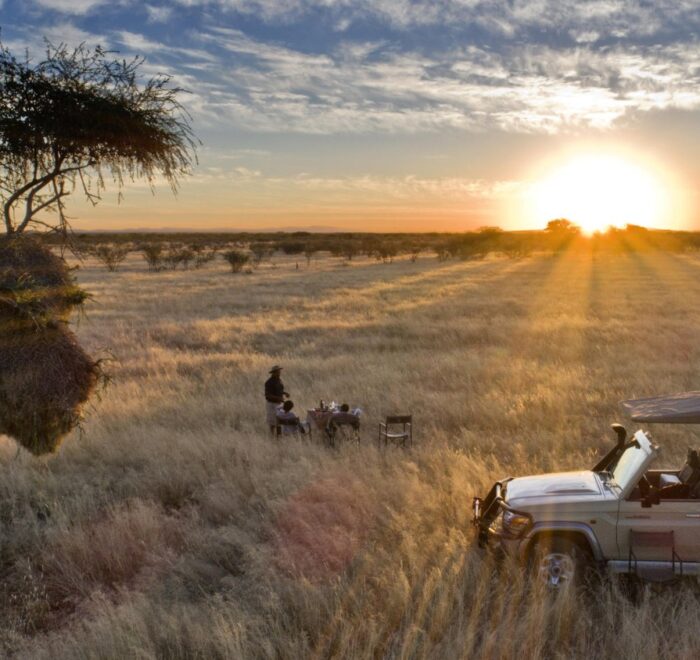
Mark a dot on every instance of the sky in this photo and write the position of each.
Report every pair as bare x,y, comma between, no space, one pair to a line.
406,115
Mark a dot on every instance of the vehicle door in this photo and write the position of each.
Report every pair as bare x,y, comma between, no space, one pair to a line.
680,516
626,475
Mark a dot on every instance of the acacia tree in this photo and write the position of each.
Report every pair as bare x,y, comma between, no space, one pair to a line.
67,123
75,118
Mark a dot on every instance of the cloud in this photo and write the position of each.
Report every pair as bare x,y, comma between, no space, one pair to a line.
407,187
62,32
77,7
367,187
372,87
159,14
138,42
390,84
611,18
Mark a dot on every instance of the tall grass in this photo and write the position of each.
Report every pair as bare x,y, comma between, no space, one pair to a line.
176,528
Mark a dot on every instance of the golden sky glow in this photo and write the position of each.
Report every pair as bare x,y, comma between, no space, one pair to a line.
406,115
596,190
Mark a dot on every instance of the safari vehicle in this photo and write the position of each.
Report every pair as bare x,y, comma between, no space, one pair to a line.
621,514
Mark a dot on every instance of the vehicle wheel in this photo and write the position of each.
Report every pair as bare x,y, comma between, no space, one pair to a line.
559,562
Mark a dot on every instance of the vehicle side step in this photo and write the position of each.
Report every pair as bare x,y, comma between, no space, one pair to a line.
650,568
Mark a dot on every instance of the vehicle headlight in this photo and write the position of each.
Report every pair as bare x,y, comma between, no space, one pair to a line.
515,523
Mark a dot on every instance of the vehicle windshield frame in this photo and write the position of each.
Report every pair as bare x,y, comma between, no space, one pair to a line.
632,463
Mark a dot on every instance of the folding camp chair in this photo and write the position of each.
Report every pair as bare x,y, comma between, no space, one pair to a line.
389,431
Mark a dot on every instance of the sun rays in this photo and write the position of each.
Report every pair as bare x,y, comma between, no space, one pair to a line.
597,190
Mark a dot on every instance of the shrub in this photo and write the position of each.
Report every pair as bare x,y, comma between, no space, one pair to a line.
186,256
202,258
350,249
260,252
236,259
172,257
291,247
385,252
309,252
153,254
111,256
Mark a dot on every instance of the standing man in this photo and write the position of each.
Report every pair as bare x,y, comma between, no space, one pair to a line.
274,396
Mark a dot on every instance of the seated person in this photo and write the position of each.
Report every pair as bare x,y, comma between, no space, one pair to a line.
343,417
345,408
346,416
685,483
690,473
288,422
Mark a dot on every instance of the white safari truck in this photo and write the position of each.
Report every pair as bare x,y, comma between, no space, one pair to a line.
622,514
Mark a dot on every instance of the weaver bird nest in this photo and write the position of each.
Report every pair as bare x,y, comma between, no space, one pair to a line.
45,375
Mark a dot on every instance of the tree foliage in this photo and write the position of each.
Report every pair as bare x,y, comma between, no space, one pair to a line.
76,118
111,256
236,259
563,226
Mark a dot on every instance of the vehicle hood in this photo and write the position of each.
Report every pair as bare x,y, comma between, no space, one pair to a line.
566,486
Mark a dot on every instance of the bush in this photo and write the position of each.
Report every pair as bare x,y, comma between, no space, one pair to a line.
202,258
309,252
385,252
350,249
236,259
260,252
291,247
186,256
172,258
153,254
111,256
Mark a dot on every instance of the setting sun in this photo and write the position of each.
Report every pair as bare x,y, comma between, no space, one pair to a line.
596,191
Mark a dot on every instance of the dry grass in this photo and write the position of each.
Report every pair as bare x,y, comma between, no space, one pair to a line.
175,528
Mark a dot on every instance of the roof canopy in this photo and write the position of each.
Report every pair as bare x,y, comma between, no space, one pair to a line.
681,408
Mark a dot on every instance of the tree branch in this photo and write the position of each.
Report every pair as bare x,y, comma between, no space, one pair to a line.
29,217
12,199
33,187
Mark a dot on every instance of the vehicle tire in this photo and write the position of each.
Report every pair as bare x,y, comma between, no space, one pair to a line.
558,562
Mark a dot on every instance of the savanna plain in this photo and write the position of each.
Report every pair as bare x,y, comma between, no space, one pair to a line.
175,527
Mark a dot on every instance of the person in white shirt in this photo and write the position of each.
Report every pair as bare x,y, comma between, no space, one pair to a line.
288,422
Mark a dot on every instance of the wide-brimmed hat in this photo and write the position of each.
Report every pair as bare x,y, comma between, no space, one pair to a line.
275,368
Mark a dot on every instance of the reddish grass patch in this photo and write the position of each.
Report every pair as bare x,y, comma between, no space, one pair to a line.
321,527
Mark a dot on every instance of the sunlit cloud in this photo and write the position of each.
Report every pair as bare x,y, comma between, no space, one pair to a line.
159,14
269,81
367,87
77,7
383,187
62,32
620,18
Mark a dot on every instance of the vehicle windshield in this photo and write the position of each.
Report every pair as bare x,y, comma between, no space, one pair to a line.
631,462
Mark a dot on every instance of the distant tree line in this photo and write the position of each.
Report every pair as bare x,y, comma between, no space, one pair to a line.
247,251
